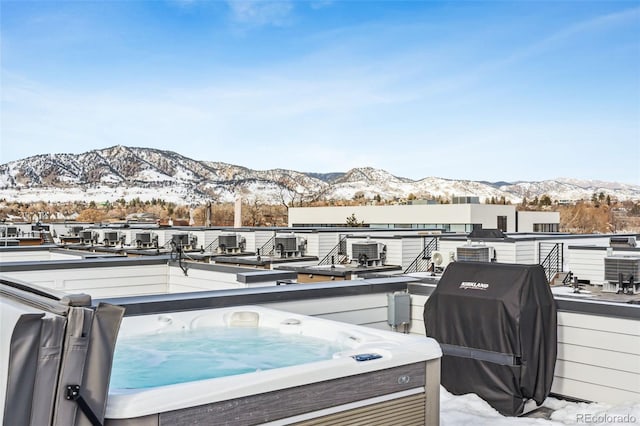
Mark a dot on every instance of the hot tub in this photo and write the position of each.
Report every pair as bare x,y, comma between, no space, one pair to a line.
374,377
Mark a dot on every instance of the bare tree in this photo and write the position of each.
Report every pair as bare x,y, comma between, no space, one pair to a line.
287,193
253,214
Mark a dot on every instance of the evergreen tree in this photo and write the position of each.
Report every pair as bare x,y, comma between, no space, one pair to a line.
353,222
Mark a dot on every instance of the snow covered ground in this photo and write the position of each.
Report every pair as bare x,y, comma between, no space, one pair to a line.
470,409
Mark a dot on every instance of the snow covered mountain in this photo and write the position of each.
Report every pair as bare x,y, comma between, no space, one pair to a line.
127,172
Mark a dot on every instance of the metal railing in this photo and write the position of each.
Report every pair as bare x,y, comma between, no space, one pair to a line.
215,243
338,254
269,247
422,262
568,278
552,262
46,237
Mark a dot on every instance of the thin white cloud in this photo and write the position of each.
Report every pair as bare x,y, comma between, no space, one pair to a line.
597,24
183,4
600,23
320,4
257,13
461,81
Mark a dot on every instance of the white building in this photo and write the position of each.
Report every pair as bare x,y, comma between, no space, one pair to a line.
447,217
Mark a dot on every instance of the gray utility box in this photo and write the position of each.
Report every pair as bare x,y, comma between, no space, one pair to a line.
399,308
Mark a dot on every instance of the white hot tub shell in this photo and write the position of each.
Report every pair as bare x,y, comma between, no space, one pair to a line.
401,385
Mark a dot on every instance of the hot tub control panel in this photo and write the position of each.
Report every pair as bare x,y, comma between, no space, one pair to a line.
366,357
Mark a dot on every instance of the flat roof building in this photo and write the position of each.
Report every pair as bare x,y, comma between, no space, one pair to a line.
445,217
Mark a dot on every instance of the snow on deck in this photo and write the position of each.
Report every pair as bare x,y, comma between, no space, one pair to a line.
470,409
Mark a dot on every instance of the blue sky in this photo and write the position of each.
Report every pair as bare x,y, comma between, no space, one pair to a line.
466,90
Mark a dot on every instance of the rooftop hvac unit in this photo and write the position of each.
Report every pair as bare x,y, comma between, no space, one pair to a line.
441,259
626,265
622,274
88,237
111,235
146,239
471,253
369,253
231,242
180,239
143,237
289,245
75,230
111,238
622,241
184,241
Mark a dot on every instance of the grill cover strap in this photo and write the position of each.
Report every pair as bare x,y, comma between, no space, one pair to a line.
480,354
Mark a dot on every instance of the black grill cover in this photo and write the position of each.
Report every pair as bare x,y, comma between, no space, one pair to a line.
496,324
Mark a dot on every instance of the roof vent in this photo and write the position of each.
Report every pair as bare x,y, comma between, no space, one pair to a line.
622,241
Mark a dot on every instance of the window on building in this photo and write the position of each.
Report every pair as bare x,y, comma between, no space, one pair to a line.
545,227
319,225
502,223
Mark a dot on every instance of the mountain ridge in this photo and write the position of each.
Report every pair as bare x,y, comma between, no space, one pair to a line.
128,172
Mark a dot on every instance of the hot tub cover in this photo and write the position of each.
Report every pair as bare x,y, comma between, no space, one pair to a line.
496,324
